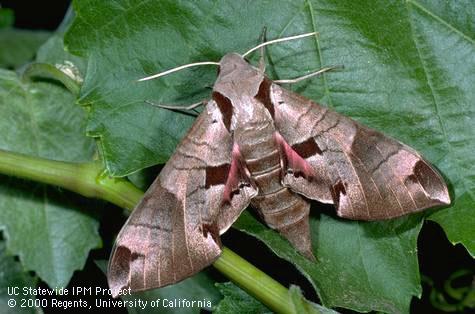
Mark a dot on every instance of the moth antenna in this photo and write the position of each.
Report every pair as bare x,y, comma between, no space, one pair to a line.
189,65
278,41
301,78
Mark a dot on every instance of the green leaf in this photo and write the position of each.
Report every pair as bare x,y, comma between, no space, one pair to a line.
188,296
446,44
13,277
52,58
237,300
408,73
54,52
18,46
52,231
296,298
62,226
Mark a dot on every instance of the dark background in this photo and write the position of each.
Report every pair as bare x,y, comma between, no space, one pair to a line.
44,15
437,257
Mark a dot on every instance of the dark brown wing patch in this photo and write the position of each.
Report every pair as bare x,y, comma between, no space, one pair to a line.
226,108
263,95
307,148
217,175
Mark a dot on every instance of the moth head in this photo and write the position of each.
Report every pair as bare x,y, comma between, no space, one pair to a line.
236,75
231,62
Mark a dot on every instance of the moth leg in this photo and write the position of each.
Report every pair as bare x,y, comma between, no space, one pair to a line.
190,107
304,77
262,60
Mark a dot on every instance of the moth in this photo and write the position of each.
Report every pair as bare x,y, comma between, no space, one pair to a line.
256,143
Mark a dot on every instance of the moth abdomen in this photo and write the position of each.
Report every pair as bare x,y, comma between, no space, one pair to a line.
287,212
264,163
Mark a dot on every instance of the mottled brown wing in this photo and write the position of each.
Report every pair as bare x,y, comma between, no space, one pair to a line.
364,173
174,231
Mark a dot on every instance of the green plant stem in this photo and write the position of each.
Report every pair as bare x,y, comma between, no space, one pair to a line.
87,179
254,281
257,283
90,180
